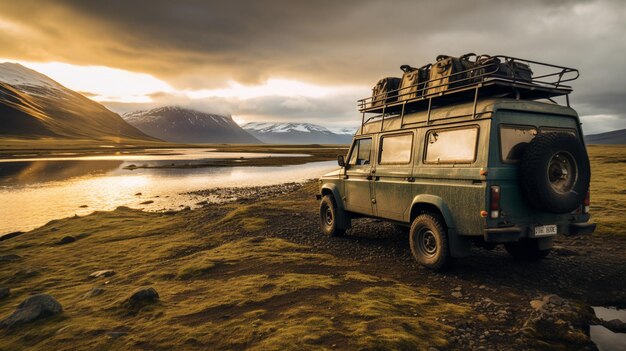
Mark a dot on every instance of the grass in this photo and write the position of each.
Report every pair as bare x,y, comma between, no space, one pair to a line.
608,194
221,286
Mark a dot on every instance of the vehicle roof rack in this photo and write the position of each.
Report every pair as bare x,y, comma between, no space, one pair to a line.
469,84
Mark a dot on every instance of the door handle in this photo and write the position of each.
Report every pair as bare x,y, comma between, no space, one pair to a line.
410,179
369,177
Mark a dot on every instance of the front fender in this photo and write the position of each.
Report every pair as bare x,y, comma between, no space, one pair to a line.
335,191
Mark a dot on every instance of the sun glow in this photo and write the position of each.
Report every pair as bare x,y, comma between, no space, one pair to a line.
102,83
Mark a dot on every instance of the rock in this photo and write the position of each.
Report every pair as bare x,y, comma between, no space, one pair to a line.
7,258
102,273
146,202
138,194
83,206
4,292
142,297
10,235
66,240
458,288
33,308
94,292
615,325
554,299
457,294
537,305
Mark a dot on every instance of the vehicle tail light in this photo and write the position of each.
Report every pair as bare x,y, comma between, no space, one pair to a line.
494,205
586,203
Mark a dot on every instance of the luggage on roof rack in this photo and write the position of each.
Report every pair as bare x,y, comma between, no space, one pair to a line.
413,81
385,91
452,80
449,72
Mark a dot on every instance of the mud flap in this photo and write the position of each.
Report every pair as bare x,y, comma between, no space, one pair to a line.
459,245
544,243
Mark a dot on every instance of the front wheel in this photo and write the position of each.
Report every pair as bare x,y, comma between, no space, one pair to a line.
526,250
328,217
429,241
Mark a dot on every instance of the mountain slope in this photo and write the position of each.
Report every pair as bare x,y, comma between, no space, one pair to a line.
181,125
33,105
613,137
295,133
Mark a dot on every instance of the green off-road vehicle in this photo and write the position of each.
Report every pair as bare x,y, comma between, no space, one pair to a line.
467,156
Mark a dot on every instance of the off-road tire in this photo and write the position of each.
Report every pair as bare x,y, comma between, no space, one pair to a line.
328,217
535,172
429,241
526,250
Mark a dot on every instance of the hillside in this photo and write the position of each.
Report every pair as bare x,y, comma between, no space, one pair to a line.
182,125
613,137
32,106
296,133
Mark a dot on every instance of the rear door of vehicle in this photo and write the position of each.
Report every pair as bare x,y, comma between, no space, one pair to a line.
358,181
393,174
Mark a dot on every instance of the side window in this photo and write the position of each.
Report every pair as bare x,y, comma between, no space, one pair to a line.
396,149
513,139
361,152
451,146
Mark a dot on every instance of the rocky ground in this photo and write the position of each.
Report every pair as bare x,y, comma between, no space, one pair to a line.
255,272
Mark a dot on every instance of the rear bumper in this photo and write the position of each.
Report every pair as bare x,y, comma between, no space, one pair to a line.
514,233
581,228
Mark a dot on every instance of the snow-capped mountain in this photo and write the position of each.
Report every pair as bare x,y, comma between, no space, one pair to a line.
295,133
177,124
33,105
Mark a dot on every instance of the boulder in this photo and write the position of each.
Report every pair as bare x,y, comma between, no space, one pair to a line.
615,325
141,297
102,273
66,240
8,258
33,308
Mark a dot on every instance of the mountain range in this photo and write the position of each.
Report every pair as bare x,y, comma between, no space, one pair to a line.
180,125
32,105
612,137
297,133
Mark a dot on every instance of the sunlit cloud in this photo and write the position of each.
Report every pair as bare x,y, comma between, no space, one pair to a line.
102,83
272,87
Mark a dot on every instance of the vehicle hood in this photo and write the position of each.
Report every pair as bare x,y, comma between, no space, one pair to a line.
333,174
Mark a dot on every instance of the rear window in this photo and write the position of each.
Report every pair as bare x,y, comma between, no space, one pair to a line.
451,145
513,139
396,149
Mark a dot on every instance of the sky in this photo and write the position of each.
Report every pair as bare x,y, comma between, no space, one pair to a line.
304,61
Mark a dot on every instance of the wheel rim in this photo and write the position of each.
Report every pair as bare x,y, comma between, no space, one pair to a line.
562,172
328,216
427,243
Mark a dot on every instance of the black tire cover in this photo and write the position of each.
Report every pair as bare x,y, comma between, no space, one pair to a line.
534,177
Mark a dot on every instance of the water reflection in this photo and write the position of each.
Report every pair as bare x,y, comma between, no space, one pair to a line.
35,192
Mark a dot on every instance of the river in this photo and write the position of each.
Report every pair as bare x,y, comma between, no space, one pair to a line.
34,191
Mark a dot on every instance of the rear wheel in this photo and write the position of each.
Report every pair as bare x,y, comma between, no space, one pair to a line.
526,250
328,217
429,241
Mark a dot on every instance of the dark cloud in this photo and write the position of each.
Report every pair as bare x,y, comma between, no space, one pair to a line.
203,44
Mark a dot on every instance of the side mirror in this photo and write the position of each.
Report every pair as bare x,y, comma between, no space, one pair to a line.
341,161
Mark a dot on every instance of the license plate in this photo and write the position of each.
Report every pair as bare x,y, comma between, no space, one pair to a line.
544,230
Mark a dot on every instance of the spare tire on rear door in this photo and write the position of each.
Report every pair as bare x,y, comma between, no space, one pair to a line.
555,172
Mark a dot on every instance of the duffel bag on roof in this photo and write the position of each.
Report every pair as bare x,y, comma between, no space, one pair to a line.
385,91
